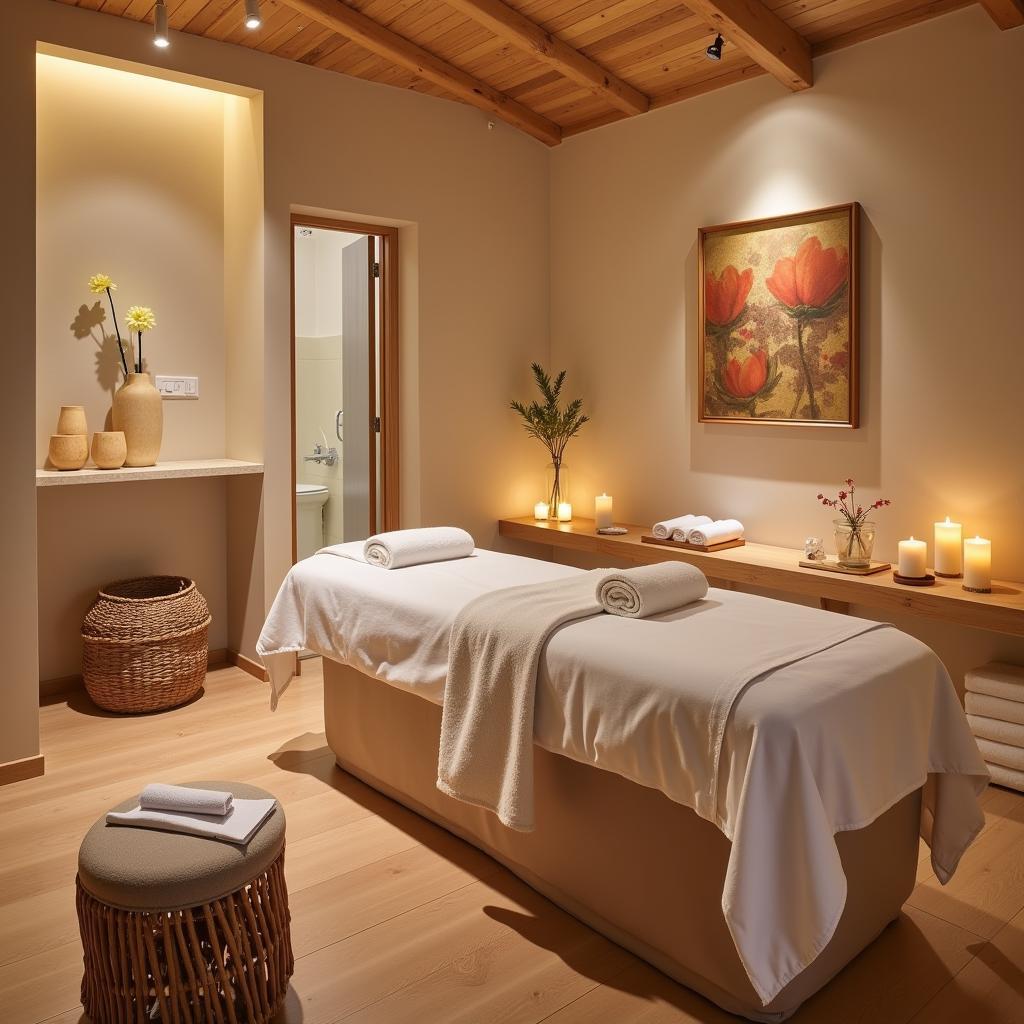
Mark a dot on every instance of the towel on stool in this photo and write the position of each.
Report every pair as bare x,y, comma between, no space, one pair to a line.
651,589
682,532
993,729
238,826
160,797
1007,777
1001,753
663,530
401,548
995,707
997,680
718,532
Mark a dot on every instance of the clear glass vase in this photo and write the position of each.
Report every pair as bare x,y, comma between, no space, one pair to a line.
854,544
556,487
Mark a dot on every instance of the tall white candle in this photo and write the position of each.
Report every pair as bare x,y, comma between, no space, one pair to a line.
540,510
948,548
603,511
564,512
913,561
978,564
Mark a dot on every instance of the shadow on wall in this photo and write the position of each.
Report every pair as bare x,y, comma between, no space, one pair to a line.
798,453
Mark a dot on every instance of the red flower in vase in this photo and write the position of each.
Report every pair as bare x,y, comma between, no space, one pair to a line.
746,379
810,283
725,297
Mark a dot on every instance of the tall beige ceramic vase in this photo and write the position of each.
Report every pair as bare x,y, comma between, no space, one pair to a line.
138,411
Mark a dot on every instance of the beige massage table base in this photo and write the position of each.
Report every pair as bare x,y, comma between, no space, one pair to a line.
642,870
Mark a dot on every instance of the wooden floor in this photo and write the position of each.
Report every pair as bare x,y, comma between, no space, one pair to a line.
396,921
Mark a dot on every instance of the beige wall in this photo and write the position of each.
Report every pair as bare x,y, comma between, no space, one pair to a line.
936,157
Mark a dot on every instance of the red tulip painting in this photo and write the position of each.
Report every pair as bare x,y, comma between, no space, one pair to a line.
777,316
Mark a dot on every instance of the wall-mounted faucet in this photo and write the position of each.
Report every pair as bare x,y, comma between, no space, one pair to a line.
322,454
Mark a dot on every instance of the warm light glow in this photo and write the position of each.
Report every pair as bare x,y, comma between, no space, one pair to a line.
253,23
540,510
160,37
252,14
564,512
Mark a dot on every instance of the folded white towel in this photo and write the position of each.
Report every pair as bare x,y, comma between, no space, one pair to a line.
995,707
1001,753
997,680
717,532
1007,777
663,530
238,826
401,548
651,589
183,799
682,532
993,729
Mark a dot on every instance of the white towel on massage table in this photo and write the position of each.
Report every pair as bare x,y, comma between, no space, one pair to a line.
402,548
158,796
651,589
718,532
995,707
821,745
663,530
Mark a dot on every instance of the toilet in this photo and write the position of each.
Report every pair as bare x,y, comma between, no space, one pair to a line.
309,516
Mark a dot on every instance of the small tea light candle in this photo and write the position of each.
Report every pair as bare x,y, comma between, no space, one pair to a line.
948,548
913,560
603,511
540,510
978,565
564,512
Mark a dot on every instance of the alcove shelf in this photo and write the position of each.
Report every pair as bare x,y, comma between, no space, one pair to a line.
161,471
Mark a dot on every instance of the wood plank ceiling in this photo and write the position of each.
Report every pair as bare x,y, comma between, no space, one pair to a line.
554,68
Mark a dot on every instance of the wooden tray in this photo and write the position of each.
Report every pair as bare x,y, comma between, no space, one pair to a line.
830,565
683,546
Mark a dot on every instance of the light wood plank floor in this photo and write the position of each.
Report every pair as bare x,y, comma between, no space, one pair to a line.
396,921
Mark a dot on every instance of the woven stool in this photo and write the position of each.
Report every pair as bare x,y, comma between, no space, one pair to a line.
194,929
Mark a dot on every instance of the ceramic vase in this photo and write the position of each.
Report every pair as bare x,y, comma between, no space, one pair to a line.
109,449
68,451
72,420
138,412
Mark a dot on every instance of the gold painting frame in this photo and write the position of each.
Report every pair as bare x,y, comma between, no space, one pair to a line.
777,303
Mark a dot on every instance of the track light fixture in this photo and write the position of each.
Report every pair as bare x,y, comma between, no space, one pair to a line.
252,14
714,51
160,36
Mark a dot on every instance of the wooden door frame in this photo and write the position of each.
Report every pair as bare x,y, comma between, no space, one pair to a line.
386,396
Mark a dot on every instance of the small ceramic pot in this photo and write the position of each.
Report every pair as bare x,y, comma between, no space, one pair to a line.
109,449
72,420
68,451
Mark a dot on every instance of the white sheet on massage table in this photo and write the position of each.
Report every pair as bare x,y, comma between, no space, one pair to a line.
829,745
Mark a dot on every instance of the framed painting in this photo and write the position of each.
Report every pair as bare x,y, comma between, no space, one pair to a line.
777,316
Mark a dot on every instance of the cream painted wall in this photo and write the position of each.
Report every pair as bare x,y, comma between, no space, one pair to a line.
922,128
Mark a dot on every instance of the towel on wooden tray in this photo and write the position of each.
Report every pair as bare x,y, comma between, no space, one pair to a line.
688,523
664,529
651,589
401,548
718,532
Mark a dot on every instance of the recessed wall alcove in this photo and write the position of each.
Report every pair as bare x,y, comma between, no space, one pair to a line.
155,179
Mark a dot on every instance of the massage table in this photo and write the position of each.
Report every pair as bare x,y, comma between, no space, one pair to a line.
609,844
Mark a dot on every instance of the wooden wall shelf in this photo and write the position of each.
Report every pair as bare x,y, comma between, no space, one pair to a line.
775,568
161,471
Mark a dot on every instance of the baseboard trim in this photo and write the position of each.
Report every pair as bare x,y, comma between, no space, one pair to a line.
254,668
22,769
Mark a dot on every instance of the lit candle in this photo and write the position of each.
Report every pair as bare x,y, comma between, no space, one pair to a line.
540,510
603,511
564,512
913,561
948,548
978,565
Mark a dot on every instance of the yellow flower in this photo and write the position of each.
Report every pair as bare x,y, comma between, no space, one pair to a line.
99,283
140,318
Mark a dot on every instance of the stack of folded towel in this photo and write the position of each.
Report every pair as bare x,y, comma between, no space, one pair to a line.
995,710
702,530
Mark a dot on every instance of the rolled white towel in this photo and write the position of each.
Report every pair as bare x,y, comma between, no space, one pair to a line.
651,589
401,548
717,532
158,796
663,530
682,532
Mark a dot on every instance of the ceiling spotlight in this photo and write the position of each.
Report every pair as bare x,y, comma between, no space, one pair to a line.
252,14
714,51
160,36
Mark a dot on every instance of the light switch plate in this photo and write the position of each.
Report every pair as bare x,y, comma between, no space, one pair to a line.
177,387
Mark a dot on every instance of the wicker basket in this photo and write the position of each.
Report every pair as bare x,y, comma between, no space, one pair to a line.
145,644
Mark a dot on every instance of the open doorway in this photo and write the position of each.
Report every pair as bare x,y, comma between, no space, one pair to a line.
344,382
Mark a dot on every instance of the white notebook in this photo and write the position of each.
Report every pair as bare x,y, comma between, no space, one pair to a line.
237,826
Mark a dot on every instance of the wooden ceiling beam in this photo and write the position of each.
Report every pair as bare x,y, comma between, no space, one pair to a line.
1005,13
508,24
763,36
346,21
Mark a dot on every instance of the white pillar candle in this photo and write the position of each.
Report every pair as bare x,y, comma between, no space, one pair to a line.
913,561
564,512
603,511
540,510
948,548
978,564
